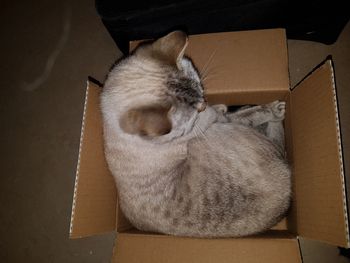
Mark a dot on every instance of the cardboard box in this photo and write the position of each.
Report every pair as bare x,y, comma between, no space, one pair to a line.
248,67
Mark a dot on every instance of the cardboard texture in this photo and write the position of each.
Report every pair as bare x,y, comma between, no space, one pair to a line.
94,201
321,211
240,68
244,98
135,248
241,61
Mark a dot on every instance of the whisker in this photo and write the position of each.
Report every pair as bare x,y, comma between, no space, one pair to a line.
207,76
200,137
205,73
206,65
201,131
195,133
206,142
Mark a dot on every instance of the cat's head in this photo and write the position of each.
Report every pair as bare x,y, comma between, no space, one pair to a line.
157,89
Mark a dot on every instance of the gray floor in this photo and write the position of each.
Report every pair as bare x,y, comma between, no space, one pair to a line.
48,50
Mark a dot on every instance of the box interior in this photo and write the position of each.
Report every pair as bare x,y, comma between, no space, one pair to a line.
249,67
95,195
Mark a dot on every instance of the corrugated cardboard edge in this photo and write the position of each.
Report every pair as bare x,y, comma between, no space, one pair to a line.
288,140
78,162
300,252
341,160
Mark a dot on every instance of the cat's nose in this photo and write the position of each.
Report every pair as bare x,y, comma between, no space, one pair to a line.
201,106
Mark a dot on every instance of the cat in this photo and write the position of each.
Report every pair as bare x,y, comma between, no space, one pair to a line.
185,168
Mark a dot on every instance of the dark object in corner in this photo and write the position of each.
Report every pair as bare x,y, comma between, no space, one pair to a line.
345,252
313,20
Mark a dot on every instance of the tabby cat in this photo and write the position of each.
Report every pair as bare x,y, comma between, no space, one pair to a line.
183,167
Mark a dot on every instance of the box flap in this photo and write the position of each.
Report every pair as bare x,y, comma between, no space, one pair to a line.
240,61
320,210
95,196
133,247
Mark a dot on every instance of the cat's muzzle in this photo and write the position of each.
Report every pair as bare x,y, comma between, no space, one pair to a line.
200,106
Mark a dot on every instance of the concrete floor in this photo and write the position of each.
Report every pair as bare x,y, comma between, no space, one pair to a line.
63,43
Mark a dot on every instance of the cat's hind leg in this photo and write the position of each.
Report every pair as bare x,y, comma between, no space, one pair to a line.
257,115
275,132
267,119
275,129
220,108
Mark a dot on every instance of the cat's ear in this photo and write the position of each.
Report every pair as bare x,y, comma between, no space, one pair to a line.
150,121
172,47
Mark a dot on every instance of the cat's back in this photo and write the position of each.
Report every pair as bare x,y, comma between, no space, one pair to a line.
236,151
228,138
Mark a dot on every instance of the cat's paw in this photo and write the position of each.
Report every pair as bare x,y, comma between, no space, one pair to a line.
220,108
278,109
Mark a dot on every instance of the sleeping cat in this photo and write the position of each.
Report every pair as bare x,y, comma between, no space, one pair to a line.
183,167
